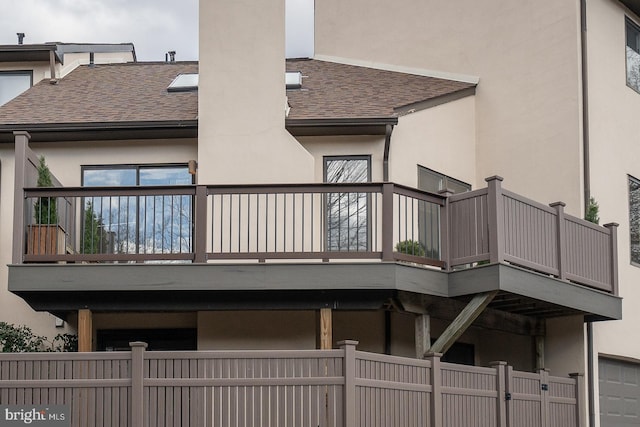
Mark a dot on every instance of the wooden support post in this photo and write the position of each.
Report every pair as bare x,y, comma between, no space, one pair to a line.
539,352
462,322
325,325
85,330
422,335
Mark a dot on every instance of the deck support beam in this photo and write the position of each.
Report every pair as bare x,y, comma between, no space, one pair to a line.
422,335
462,322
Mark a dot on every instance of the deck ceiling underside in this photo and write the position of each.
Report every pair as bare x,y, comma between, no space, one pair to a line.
63,288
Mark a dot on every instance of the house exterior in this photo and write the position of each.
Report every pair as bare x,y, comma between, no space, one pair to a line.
246,216
23,65
555,102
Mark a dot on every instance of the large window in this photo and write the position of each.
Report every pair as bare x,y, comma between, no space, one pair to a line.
633,55
13,83
634,219
432,181
137,224
347,214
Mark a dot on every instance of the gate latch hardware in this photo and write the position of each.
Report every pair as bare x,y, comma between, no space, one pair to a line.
544,387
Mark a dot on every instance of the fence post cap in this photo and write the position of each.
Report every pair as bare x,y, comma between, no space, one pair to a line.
345,343
432,354
138,344
497,363
576,374
494,178
554,204
611,224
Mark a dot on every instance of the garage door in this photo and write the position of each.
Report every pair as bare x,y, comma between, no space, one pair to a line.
619,393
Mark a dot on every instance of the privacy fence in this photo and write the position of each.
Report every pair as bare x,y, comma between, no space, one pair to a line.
343,387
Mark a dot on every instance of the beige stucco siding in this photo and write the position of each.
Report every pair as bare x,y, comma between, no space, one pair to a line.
442,138
527,58
241,103
615,150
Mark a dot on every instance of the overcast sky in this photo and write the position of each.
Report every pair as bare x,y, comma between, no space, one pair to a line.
153,26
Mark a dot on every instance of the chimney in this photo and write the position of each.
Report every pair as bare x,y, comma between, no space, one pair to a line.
172,56
20,38
92,59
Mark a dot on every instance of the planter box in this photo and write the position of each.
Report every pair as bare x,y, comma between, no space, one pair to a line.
45,239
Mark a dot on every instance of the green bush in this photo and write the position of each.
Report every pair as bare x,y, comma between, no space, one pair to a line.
45,209
410,247
593,210
21,339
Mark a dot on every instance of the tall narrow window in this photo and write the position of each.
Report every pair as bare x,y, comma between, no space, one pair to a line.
633,55
347,214
137,224
634,219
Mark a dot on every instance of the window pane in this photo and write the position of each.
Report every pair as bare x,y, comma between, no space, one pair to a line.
347,213
143,224
633,56
634,218
12,85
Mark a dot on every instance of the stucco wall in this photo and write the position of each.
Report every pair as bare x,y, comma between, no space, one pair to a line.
527,58
241,101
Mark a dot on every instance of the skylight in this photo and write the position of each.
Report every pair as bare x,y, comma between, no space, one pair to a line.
184,82
293,79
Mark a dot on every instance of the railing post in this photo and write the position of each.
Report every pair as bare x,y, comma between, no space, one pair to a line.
507,395
501,388
20,169
613,242
495,205
387,221
350,410
445,250
544,397
137,383
560,240
436,389
200,222
581,419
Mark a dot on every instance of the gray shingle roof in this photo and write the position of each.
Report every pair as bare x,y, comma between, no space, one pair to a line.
137,92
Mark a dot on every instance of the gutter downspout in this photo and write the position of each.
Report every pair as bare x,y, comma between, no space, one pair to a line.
587,194
387,147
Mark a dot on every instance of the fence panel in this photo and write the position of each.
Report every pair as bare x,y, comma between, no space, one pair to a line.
589,261
469,395
392,391
95,386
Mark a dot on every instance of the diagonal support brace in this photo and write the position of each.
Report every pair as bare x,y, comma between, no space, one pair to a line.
460,324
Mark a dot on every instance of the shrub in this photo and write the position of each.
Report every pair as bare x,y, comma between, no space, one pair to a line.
410,247
21,339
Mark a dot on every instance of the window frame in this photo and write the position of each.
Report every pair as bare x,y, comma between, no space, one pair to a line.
635,180
630,24
18,73
325,161
445,178
133,166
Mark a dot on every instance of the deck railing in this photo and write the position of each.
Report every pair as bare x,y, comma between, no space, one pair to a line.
322,222
343,387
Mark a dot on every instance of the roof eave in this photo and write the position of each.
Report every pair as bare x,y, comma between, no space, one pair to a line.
47,132
340,126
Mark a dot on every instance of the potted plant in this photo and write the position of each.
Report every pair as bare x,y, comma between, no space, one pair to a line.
45,234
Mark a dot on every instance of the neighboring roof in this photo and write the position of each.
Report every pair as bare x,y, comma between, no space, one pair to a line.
135,95
331,90
40,52
110,93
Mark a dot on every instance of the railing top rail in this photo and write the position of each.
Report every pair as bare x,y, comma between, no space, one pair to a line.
245,354
588,224
66,356
395,360
529,202
155,190
468,194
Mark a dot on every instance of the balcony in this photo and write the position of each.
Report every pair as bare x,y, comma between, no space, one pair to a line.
302,246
